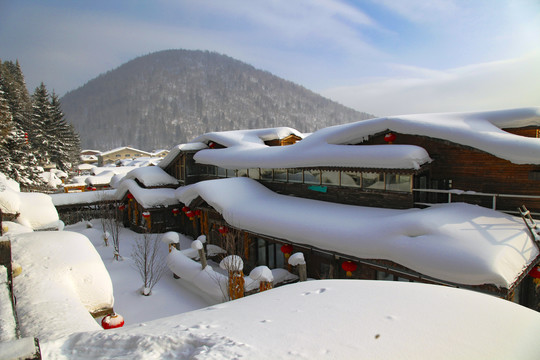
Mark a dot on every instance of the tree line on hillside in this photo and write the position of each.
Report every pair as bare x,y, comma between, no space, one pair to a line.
34,131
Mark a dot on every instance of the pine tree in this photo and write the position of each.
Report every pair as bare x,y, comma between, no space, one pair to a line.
21,164
6,125
64,147
41,131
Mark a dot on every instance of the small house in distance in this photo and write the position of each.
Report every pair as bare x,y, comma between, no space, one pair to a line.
121,153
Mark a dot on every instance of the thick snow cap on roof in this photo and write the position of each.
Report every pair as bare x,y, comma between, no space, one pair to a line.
458,243
151,176
173,153
148,198
480,130
328,147
246,149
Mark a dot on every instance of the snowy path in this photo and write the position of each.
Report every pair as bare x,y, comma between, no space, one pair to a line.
169,297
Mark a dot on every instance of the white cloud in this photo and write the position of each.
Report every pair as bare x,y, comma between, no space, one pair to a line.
493,85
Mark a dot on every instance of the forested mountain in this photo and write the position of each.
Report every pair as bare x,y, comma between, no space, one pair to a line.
169,97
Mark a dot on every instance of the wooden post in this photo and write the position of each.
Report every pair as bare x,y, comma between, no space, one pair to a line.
202,256
265,285
302,272
236,284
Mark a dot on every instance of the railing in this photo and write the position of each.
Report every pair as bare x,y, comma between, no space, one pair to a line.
474,193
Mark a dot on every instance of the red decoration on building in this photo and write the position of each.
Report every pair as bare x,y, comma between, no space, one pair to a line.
198,212
175,211
190,214
535,272
112,321
122,207
185,209
349,267
146,214
211,145
287,250
223,230
390,138
129,196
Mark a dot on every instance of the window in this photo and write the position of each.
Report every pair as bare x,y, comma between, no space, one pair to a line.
295,175
231,173
266,174
242,173
221,172
373,181
280,175
254,173
127,155
351,179
312,177
330,177
397,182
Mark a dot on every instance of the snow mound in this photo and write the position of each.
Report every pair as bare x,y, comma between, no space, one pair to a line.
56,294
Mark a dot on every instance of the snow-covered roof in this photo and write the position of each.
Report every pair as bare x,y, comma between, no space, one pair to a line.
35,210
329,319
63,280
147,198
458,243
173,153
86,197
124,148
330,146
151,176
241,137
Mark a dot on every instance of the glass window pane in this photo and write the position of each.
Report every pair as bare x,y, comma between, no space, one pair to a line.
330,177
266,174
312,177
254,173
242,173
397,182
231,173
261,252
280,175
373,181
295,175
271,256
351,178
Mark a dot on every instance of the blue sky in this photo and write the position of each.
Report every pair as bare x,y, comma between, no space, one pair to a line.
385,57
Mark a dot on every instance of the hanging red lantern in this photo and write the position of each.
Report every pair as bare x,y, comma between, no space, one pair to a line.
349,267
112,321
287,250
198,212
175,211
535,272
122,207
190,214
211,145
129,196
223,230
185,209
146,214
390,138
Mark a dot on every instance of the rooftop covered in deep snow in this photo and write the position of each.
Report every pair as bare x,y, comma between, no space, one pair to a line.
328,146
458,243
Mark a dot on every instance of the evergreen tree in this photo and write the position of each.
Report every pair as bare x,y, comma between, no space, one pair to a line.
64,148
6,125
41,132
20,165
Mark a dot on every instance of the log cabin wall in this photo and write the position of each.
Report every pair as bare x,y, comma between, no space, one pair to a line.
461,167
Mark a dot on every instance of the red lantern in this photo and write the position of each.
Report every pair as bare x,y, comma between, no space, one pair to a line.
175,211
122,207
198,212
185,209
390,138
223,230
129,196
146,214
535,272
190,214
211,145
287,250
349,267
112,321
